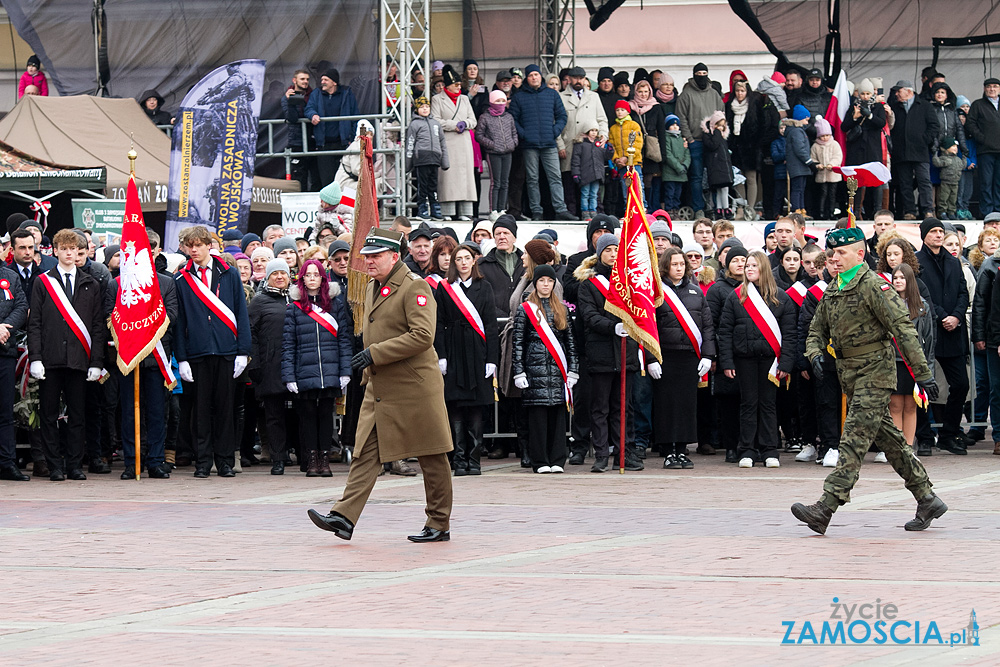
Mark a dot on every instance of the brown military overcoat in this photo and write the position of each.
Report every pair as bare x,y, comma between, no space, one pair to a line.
404,394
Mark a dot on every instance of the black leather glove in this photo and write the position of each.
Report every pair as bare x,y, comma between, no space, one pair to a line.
817,367
361,360
930,387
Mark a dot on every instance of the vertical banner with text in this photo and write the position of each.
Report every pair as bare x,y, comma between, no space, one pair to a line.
212,155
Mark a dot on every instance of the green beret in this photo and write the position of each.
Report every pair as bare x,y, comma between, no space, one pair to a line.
840,237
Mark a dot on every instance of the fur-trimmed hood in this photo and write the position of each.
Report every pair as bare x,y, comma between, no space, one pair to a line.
586,270
791,122
294,293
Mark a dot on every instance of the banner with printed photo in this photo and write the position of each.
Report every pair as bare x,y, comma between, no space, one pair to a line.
212,155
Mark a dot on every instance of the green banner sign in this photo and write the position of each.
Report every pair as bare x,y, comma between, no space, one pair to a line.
103,216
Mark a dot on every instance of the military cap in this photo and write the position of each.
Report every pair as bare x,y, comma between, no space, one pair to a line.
841,237
379,240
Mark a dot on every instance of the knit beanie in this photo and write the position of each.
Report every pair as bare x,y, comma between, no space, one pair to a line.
28,222
731,242
658,229
823,127
33,60
693,247
498,97
699,68
866,86
238,256
543,271
734,252
531,68
262,251
671,119
333,75
248,239
331,194
961,101
284,243
622,104
14,221
927,225
506,221
605,73
469,61
110,252
778,78
603,241
551,233
275,265
800,112
769,229
539,251
621,78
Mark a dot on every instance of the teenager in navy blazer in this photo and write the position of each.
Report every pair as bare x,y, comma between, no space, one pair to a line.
209,355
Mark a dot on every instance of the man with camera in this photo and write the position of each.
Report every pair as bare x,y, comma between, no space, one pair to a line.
862,126
293,105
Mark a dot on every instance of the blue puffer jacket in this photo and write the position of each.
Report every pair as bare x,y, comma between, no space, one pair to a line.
539,115
312,357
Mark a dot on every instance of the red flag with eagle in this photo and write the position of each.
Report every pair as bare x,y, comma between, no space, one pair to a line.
636,289
139,318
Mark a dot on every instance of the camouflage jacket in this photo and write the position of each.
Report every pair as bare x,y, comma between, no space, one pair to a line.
861,320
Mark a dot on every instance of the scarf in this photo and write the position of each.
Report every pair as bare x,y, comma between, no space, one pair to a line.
497,109
824,141
641,106
452,96
507,261
676,132
275,290
663,97
739,113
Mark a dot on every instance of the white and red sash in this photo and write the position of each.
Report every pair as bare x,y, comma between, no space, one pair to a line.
67,310
687,324
818,289
602,284
797,292
886,277
465,306
434,280
163,361
766,323
211,301
322,318
550,341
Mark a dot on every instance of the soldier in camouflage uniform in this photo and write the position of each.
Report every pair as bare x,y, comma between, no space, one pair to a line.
861,313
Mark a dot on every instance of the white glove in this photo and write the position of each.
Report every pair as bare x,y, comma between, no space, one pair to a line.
620,330
704,366
292,387
443,366
93,374
239,365
184,368
571,380
37,370
344,381
491,370
521,381
655,370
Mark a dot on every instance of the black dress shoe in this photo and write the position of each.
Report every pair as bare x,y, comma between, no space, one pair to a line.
57,476
226,470
525,461
98,467
278,468
575,459
128,473
201,473
429,534
333,522
953,444
731,456
967,439
975,435
461,472
40,469
76,475
13,474
925,449
161,471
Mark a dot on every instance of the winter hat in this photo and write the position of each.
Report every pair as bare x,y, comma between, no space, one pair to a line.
716,117
734,252
248,239
605,73
284,243
330,194
640,75
800,112
551,233
436,65
485,226
421,102
262,251
927,225
498,97
232,235
769,229
778,78
658,229
337,246
506,221
333,75
543,271
660,213
665,78
948,143
603,241
866,86
275,265
469,61
33,60
693,247
731,242
109,253
542,237
621,78
539,251
961,101
238,256
823,127
622,104
28,222
14,221
671,119
992,80
531,68
700,67
450,76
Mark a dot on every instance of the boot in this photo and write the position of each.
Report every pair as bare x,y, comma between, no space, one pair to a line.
312,468
436,211
473,454
632,461
423,211
817,516
323,465
459,462
170,457
928,508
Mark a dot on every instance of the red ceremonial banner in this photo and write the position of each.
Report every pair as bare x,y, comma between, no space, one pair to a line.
139,319
636,289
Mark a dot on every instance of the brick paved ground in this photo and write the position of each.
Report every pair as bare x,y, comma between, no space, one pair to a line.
651,568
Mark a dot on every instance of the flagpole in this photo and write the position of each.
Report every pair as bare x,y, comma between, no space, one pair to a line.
136,442
624,349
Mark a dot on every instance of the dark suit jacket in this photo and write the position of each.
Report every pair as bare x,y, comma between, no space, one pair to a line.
51,341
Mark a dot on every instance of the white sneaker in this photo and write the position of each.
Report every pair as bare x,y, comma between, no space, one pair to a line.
543,470
831,458
746,462
555,470
880,458
808,453
772,463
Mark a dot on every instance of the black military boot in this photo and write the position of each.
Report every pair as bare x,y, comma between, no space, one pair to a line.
928,508
458,461
817,516
474,453
577,453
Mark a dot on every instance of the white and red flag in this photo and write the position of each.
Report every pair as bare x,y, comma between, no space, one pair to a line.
139,319
869,174
840,102
635,289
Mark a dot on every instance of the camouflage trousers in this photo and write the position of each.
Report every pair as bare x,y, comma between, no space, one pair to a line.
868,422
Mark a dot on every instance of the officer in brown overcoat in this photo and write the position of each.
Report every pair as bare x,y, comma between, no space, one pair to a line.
403,388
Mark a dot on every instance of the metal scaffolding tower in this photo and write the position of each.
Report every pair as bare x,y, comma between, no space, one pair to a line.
556,35
405,44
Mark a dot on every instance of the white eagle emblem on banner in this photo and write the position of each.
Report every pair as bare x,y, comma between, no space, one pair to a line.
136,275
640,270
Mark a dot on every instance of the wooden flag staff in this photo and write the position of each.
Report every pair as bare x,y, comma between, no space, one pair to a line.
136,443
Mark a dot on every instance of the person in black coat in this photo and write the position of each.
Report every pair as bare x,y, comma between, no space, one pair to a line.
725,390
747,136
267,325
826,390
788,272
13,315
603,334
913,136
745,355
467,357
152,104
502,266
676,380
862,126
538,374
316,361
718,165
942,273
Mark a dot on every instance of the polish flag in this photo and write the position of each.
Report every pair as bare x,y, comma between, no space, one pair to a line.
347,197
839,104
869,174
